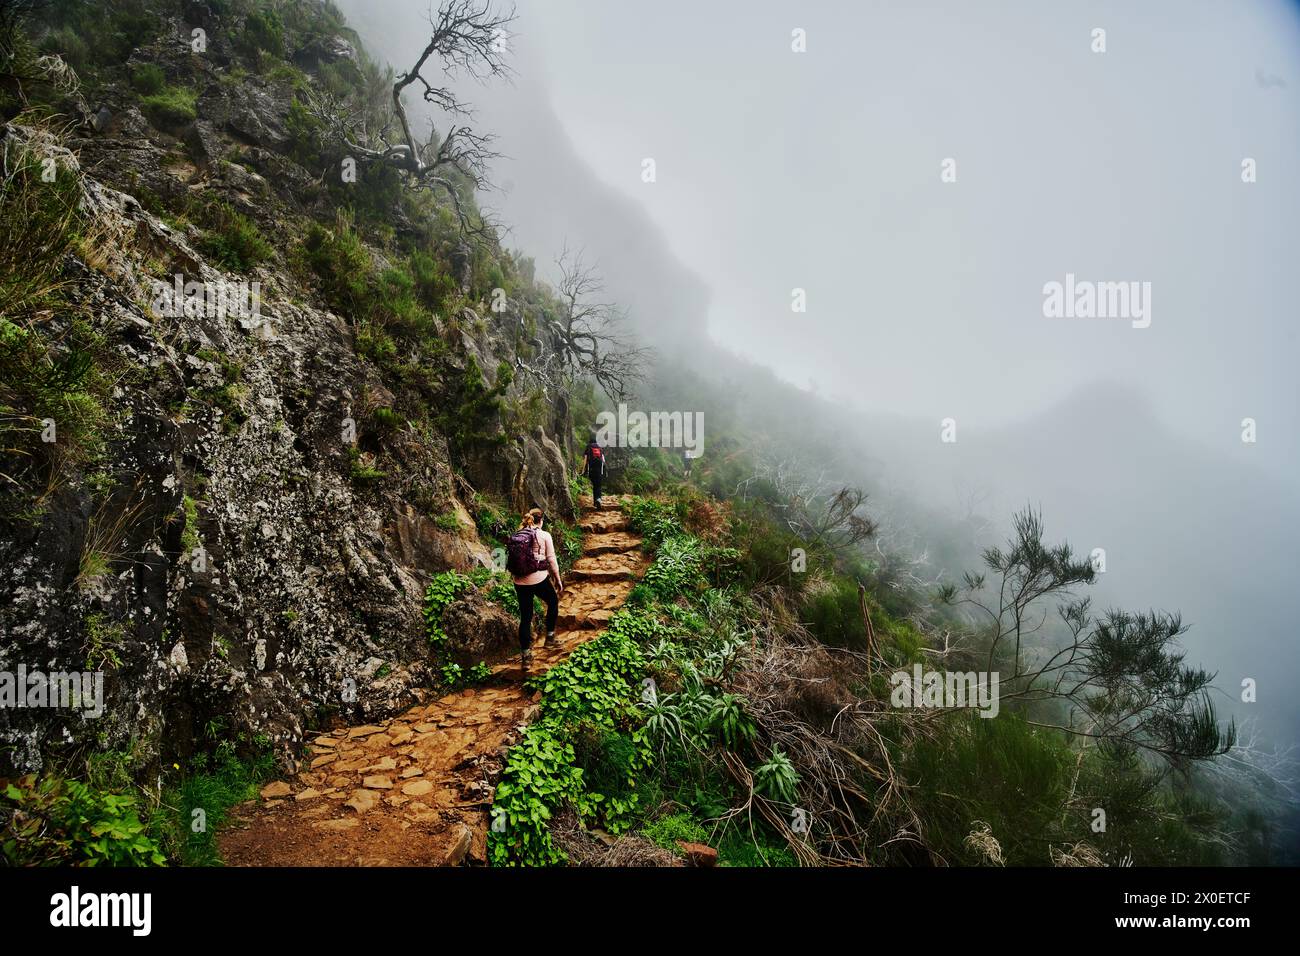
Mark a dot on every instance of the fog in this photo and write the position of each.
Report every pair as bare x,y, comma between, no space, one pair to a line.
821,171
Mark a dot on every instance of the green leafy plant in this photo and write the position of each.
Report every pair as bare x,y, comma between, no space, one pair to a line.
52,821
676,567
596,688
263,32
776,778
442,591
729,720
452,674
654,520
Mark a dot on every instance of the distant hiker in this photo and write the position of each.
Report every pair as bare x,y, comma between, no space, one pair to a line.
530,559
593,466
686,462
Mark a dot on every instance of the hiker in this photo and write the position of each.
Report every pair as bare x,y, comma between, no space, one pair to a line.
530,559
593,466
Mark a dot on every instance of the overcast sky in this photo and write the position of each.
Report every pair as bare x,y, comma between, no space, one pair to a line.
821,170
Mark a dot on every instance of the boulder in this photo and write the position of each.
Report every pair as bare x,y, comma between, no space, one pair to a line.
254,111
478,630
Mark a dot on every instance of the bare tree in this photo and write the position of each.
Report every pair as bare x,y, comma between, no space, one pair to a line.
587,337
817,509
469,37
1119,679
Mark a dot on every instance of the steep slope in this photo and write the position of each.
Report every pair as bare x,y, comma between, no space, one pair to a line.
245,497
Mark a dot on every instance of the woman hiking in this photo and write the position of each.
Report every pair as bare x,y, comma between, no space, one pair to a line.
530,559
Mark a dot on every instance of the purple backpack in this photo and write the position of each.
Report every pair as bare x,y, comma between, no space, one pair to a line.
521,553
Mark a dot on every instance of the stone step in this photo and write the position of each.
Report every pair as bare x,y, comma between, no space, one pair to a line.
585,620
604,524
601,574
594,550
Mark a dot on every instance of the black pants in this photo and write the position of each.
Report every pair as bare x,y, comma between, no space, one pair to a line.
544,590
595,488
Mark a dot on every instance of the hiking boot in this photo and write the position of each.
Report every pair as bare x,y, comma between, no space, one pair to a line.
526,658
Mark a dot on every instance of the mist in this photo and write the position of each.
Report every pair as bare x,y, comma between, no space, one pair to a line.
824,171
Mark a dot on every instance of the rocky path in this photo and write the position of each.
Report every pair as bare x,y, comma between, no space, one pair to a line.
416,790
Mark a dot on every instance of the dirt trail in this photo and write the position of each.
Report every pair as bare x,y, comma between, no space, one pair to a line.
416,790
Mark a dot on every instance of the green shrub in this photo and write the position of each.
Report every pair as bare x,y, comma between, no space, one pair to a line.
833,614
491,521
654,520
471,414
731,723
147,78
589,698
306,136
263,32
232,238
568,543
341,262
171,106
1000,772
503,593
434,285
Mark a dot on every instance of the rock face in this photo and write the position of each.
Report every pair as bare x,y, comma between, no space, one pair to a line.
239,569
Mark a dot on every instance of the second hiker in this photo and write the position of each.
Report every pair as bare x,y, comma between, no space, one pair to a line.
593,466
530,559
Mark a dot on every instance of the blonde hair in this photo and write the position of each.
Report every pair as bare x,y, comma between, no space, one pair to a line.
534,517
